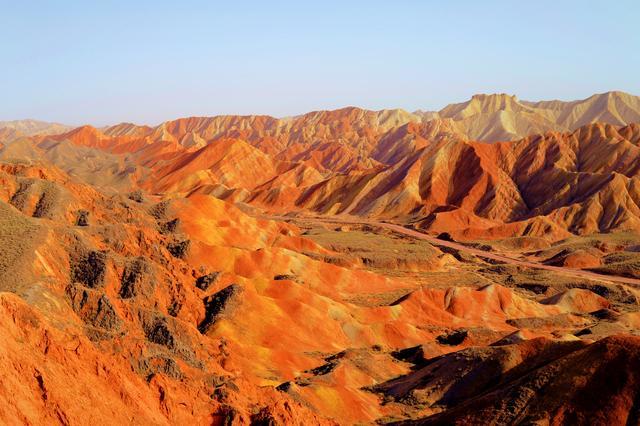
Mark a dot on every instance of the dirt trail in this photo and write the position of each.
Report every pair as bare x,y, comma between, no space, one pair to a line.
480,253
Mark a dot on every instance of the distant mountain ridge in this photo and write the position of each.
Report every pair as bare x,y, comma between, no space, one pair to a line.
484,117
31,127
492,118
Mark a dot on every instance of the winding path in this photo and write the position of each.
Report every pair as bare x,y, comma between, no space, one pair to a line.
477,252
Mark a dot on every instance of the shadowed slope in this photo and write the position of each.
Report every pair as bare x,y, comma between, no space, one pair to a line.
558,383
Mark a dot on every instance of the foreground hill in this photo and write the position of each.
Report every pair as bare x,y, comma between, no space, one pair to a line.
529,382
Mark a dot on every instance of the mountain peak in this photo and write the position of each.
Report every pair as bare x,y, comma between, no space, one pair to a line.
496,96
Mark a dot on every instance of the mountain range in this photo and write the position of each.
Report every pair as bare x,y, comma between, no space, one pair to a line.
474,265
489,118
446,173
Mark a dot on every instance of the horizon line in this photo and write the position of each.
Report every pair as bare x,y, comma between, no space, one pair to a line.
286,117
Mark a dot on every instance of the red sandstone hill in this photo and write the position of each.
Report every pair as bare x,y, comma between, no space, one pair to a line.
543,185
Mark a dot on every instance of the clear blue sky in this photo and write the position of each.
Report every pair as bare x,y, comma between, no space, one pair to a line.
104,62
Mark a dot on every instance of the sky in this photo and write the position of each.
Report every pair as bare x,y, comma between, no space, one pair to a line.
90,62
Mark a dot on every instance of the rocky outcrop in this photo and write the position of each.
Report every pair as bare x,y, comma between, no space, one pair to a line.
90,269
218,304
137,279
94,308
